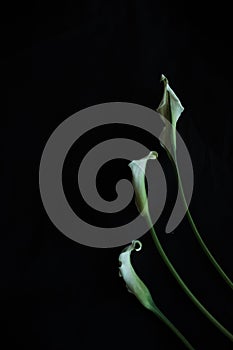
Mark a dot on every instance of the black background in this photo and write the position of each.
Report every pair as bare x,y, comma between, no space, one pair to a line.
61,58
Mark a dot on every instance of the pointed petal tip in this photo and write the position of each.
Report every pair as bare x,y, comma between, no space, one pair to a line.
162,77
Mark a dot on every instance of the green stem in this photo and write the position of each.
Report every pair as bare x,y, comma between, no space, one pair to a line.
197,234
168,323
184,286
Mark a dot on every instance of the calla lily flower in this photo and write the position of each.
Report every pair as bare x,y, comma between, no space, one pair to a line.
133,283
137,287
138,168
170,109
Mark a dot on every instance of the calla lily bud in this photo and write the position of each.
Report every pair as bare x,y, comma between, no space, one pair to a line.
138,168
170,109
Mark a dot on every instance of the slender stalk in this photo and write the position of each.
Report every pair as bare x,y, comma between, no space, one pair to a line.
168,323
197,234
184,286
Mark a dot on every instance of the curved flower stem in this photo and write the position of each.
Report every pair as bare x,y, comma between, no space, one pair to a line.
196,233
183,285
168,323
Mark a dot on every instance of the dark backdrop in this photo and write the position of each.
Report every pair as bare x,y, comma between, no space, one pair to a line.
61,58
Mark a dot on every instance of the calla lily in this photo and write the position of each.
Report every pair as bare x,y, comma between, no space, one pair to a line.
138,168
170,109
137,287
133,283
